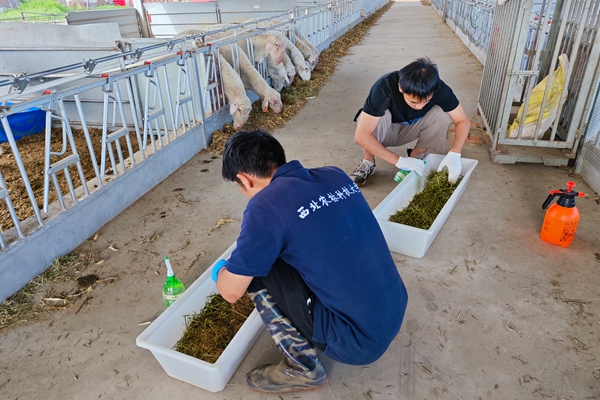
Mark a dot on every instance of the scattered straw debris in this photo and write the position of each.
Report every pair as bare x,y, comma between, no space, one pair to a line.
577,342
51,290
577,305
222,222
295,96
427,204
420,365
208,333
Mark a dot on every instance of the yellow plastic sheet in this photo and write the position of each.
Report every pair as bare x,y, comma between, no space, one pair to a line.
535,103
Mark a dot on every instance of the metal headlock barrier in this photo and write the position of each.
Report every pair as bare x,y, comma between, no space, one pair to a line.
156,106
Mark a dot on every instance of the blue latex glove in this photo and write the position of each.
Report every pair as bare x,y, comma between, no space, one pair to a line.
411,164
454,165
218,265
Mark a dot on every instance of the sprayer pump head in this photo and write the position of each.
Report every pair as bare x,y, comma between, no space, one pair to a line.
566,197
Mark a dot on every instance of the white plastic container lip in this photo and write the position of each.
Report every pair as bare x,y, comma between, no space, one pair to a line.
162,334
408,240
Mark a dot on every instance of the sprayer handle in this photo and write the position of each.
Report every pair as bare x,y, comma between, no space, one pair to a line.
549,199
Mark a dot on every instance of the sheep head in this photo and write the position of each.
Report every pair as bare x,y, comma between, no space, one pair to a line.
303,71
240,111
312,60
275,47
291,73
272,100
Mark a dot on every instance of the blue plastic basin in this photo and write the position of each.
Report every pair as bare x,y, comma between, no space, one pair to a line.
25,123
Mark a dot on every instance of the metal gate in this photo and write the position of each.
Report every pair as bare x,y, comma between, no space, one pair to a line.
527,41
588,161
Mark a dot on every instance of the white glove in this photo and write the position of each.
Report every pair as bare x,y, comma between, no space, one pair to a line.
453,164
411,164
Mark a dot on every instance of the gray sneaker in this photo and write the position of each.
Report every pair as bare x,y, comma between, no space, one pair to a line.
364,170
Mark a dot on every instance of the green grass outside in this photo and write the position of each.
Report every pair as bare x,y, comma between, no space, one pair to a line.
44,10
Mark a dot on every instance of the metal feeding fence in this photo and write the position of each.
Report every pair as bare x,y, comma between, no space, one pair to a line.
155,104
536,82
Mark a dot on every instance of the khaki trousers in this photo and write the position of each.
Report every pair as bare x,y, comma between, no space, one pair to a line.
429,130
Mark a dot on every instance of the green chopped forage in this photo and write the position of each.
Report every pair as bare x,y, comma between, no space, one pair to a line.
208,332
427,204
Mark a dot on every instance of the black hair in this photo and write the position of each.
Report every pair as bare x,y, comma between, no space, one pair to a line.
420,78
254,152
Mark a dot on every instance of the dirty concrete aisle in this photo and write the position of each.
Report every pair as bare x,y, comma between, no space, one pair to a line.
494,313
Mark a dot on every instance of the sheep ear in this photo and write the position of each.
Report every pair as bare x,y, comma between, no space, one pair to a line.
268,46
233,108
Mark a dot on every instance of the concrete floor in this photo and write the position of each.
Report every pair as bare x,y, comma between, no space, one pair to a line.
494,312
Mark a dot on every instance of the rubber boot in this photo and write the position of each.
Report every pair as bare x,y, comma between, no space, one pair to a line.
300,370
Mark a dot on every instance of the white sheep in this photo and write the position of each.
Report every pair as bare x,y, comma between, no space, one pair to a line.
250,76
268,44
311,55
289,67
278,75
235,92
310,52
263,44
297,58
254,81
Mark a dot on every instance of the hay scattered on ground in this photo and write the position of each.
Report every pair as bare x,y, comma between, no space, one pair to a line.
208,332
59,287
427,204
295,96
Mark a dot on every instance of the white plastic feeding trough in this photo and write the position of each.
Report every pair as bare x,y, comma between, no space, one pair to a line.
408,240
162,334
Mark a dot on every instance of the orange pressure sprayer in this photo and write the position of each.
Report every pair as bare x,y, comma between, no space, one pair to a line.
562,218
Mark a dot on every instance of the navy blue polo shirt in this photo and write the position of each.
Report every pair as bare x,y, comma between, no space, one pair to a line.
318,221
384,95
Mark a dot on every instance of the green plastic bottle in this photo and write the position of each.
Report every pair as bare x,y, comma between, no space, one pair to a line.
403,173
400,175
173,288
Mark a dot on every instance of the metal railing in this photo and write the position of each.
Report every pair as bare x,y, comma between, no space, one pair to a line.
38,18
471,19
156,107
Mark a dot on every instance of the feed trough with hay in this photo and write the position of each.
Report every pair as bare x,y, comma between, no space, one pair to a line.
162,335
409,240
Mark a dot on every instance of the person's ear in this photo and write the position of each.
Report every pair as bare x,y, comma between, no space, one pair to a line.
400,88
246,180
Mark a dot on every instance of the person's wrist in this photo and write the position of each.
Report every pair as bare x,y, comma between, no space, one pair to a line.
401,164
219,265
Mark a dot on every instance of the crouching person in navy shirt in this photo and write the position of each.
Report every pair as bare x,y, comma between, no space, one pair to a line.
301,257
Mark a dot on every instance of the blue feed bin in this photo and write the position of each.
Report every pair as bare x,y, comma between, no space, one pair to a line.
25,123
